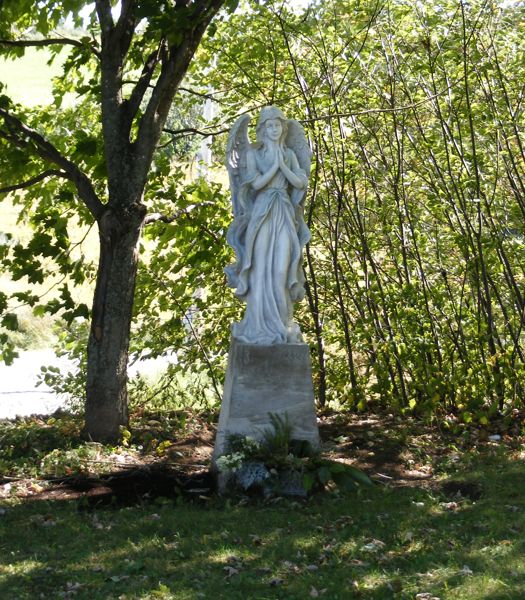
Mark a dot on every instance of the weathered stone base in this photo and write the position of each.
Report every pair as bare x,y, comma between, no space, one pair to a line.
262,380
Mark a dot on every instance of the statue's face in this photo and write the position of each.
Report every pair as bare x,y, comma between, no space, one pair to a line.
274,129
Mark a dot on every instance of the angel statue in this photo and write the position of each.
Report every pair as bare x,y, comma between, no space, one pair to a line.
268,183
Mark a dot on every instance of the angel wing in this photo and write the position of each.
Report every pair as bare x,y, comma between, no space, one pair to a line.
236,151
296,140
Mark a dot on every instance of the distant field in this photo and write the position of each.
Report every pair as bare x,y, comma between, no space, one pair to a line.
28,79
22,234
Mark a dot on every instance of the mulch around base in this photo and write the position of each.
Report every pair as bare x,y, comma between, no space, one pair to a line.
393,451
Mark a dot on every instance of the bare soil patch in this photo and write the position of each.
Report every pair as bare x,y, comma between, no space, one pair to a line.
392,450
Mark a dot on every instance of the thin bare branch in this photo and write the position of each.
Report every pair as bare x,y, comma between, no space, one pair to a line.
205,95
30,182
183,212
368,111
193,131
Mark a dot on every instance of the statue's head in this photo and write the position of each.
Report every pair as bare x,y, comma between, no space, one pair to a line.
268,117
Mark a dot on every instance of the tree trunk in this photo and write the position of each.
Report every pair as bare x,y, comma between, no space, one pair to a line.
108,346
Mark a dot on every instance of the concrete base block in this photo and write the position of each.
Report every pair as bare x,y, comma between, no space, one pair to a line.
262,380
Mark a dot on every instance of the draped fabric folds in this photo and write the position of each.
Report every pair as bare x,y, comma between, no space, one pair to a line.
268,238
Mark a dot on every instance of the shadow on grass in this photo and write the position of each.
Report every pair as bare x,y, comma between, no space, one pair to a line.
386,543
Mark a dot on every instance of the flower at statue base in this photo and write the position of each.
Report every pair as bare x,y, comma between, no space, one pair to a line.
229,463
280,465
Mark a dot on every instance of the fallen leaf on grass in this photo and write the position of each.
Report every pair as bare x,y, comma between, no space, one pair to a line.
118,578
407,536
98,569
171,545
396,585
355,562
231,571
48,521
373,546
315,593
290,567
71,589
466,570
5,489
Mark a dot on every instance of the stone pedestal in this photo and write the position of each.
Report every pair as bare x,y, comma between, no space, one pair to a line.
262,380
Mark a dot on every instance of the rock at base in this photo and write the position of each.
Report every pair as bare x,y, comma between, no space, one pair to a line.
267,379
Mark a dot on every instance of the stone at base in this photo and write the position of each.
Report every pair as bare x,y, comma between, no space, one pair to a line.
262,380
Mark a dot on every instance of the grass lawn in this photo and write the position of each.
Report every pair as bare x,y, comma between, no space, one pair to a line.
28,79
421,540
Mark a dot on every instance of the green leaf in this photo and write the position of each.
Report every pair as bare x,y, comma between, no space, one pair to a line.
344,481
86,147
324,474
3,301
7,349
10,321
308,481
358,475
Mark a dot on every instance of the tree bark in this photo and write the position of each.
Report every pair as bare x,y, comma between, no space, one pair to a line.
108,346
120,224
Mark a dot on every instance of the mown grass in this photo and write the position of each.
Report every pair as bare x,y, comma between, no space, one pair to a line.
385,543
28,79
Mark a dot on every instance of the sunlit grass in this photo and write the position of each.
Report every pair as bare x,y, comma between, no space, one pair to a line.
28,80
382,544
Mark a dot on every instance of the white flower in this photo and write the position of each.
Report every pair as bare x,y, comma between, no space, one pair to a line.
230,462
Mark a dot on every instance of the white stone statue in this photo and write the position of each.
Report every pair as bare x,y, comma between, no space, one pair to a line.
268,183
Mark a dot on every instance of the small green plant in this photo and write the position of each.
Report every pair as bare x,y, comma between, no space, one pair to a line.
322,472
278,464
61,463
277,441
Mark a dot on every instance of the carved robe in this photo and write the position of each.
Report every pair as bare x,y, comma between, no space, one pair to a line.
268,239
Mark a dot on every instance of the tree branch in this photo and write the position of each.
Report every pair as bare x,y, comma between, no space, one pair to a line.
62,41
24,137
33,180
125,27
156,217
357,113
193,131
133,102
105,19
44,42
206,96
172,72
183,212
